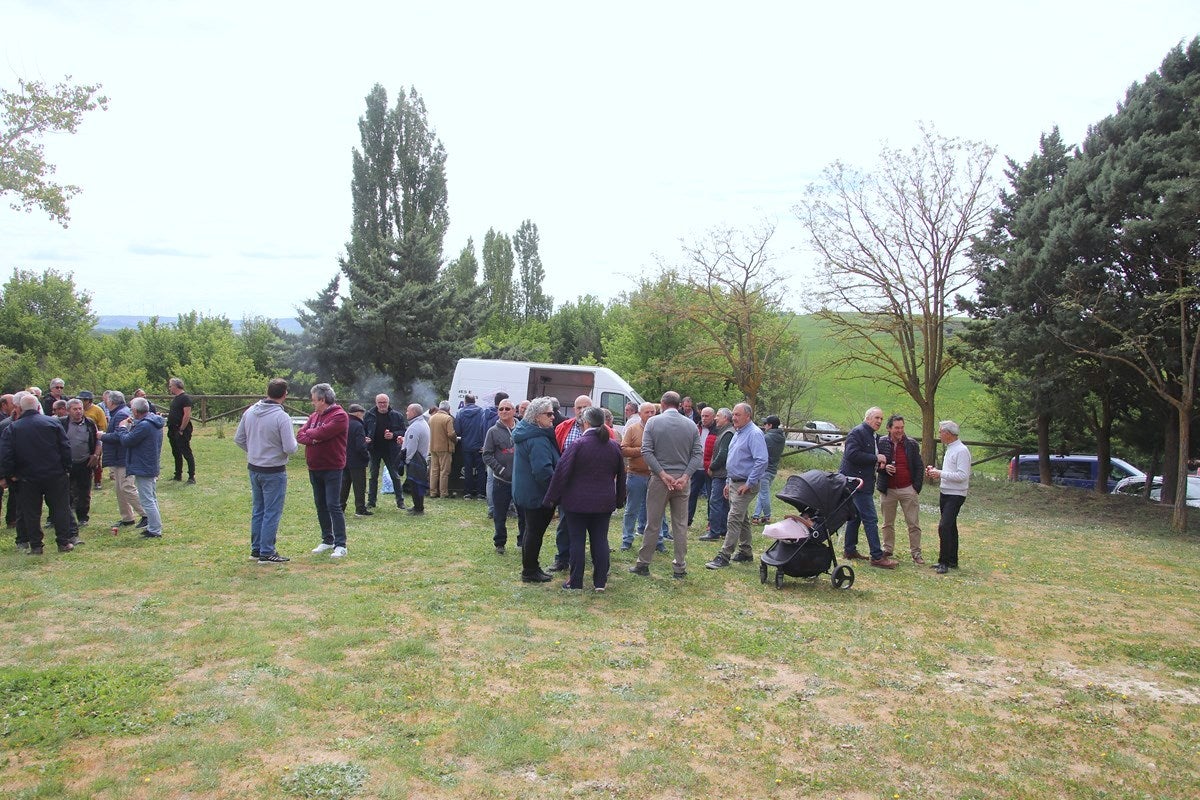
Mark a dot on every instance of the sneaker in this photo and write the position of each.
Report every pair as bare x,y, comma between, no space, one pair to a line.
741,558
718,562
640,569
366,512
143,522
662,548
539,577
149,535
66,548
322,548
885,562
274,558
559,566
123,523
626,547
254,555
338,552
75,540
567,587
598,589
97,487
941,569
711,537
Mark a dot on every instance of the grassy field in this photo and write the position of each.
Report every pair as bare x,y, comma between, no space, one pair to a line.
1060,661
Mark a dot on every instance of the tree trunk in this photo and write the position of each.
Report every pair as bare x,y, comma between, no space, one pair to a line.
1170,467
929,438
1184,420
1104,444
1043,434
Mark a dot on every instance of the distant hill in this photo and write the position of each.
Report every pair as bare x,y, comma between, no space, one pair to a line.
117,322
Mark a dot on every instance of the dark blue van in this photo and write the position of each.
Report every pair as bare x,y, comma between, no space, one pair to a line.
1079,471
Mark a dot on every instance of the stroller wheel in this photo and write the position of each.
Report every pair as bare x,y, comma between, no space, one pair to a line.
778,579
762,572
843,577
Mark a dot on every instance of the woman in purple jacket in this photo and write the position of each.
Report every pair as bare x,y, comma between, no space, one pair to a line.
588,485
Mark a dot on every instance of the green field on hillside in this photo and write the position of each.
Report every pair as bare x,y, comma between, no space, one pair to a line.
1060,661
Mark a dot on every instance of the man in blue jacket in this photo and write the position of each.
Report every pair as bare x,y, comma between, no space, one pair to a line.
34,450
469,422
141,436
860,459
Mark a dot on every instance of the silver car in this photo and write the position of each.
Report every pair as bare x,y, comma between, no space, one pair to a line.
821,432
1136,486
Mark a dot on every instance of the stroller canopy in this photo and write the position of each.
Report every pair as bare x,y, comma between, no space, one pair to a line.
825,493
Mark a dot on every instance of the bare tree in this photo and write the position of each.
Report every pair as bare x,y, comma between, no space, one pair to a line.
735,308
893,246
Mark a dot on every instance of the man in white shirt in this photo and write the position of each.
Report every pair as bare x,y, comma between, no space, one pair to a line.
955,476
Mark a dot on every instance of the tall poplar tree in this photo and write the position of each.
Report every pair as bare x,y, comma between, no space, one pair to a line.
498,277
532,303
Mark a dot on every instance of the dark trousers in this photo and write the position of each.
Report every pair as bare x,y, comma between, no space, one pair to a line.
13,516
327,496
355,477
56,494
536,522
181,450
501,499
594,528
389,463
701,484
474,473
950,505
81,490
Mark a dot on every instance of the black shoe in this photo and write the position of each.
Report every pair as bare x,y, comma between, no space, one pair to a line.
370,504
941,569
123,523
559,566
274,558
679,575
149,535
66,548
254,555
711,537
719,562
83,522
191,481
177,478
540,577
500,550
741,558
75,540
35,551
364,513
415,512
640,569
143,522
625,547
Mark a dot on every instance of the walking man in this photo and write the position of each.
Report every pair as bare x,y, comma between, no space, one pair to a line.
955,476
860,459
900,484
671,447
265,433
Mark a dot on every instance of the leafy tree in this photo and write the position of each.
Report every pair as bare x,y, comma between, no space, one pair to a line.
531,302
498,278
326,347
45,321
462,271
30,113
576,332
265,344
893,247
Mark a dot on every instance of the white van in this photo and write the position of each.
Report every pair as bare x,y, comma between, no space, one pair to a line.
524,380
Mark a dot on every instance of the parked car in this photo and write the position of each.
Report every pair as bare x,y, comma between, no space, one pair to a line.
1136,485
821,432
1072,469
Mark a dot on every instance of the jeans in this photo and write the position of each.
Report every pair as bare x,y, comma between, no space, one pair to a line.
700,483
762,509
181,449
718,507
536,522
148,497
950,505
865,503
327,490
491,479
593,527
267,493
390,465
635,510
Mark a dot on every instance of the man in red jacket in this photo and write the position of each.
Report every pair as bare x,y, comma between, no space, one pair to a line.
324,440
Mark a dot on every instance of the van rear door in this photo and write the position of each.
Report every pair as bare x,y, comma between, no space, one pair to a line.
565,384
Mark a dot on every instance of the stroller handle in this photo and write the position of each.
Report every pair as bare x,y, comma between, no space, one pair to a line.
859,481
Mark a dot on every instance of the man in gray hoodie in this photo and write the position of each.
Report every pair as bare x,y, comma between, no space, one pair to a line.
265,433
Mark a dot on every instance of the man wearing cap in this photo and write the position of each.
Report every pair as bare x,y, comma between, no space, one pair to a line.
441,450
358,456
96,414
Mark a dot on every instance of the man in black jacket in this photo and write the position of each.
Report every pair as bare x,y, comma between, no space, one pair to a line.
83,437
358,456
861,459
34,450
384,428
900,483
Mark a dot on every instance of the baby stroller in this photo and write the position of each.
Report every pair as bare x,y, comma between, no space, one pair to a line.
802,550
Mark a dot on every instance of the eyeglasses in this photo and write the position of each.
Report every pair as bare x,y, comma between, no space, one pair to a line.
547,413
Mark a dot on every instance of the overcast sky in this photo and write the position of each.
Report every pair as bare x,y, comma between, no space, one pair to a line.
218,180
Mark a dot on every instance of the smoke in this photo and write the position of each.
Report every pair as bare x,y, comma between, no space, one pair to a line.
423,392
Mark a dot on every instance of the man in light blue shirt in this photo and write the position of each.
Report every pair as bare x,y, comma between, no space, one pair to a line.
746,464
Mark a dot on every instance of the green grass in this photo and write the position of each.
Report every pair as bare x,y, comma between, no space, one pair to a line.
1060,661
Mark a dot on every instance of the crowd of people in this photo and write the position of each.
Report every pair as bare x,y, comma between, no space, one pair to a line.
528,459
54,448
